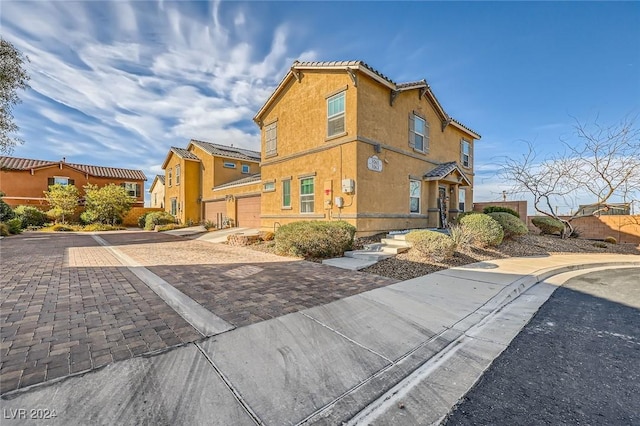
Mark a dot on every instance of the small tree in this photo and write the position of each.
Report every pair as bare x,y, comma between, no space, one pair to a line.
5,210
603,163
63,200
108,204
12,77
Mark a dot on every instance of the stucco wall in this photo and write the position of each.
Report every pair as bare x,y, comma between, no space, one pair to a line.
519,206
624,228
232,194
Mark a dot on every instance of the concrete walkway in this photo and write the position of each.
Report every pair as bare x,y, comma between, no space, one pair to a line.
401,354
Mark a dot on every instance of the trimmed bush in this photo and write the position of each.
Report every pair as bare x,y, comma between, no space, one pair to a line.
484,229
88,217
500,209
548,225
463,214
170,226
95,227
435,245
511,225
30,216
4,230
14,225
142,220
611,240
314,238
158,218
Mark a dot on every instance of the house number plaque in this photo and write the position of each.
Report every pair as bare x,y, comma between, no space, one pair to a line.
374,163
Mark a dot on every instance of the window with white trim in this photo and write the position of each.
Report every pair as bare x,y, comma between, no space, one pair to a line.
335,114
307,195
58,180
132,188
418,133
174,206
465,153
169,175
246,168
462,197
415,189
177,175
271,139
229,165
286,194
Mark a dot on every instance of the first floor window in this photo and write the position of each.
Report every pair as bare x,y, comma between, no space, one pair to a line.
414,196
335,115
174,206
462,196
286,193
465,153
269,186
307,195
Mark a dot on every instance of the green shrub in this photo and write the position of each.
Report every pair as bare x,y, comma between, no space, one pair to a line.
62,228
548,225
4,230
158,218
88,217
30,216
463,214
14,225
209,224
5,211
142,220
511,225
484,229
599,244
314,239
170,226
434,245
500,209
611,240
95,227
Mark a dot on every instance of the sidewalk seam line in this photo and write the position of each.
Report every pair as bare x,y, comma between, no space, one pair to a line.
236,394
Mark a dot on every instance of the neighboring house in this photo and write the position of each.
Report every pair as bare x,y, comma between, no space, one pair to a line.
342,141
157,192
193,173
24,181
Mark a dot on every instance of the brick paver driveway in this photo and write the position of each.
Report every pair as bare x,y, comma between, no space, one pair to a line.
68,305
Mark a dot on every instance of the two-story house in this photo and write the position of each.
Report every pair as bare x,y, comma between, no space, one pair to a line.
192,175
342,141
24,180
157,192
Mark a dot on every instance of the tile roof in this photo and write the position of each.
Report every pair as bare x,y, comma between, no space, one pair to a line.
183,153
443,170
244,180
227,151
160,178
13,163
327,64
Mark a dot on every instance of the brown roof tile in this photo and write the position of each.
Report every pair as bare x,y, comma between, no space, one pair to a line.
13,163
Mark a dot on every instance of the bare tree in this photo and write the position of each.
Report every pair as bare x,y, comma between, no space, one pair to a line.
13,76
603,163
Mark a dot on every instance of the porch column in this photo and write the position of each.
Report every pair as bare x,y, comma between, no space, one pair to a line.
432,204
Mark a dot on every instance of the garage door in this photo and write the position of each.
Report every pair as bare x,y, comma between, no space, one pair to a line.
215,211
249,212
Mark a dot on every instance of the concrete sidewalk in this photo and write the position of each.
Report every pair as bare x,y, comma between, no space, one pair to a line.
347,361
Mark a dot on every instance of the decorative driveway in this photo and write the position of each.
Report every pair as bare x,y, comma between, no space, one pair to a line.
68,305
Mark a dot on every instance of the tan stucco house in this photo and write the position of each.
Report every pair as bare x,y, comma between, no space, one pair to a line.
192,175
157,192
342,141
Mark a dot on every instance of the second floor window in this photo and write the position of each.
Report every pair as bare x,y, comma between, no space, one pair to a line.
246,168
169,176
465,153
229,165
418,133
335,115
271,139
177,175
60,180
132,189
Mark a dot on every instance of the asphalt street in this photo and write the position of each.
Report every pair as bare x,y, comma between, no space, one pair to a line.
576,362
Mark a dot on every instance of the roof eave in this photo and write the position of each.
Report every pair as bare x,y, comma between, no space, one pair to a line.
465,129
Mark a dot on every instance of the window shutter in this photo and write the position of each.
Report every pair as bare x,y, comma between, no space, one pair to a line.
470,155
138,190
412,138
51,181
426,136
71,182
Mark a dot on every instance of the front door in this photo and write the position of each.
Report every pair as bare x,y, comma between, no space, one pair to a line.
442,205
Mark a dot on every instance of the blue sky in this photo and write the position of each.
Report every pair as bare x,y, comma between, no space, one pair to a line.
118,83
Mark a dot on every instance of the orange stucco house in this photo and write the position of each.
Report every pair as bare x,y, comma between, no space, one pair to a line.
24,181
